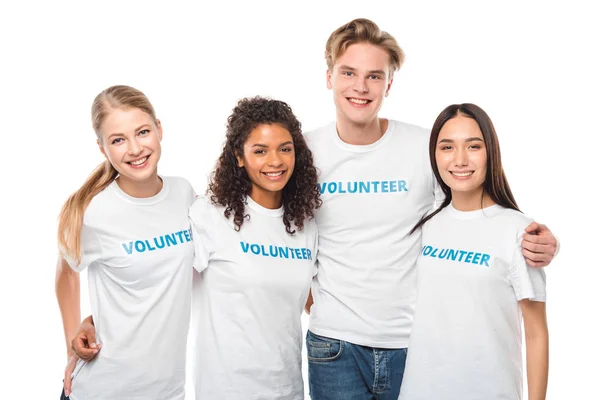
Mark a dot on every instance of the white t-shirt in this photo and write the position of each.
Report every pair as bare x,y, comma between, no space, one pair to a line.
373,195
247,303
139,255
466,340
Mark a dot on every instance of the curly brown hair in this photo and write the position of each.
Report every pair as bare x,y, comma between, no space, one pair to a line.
230,185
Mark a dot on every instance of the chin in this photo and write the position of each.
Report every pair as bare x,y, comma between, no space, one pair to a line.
276,189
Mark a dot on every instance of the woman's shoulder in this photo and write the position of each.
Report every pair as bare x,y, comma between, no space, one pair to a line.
203,206
515,218
178,183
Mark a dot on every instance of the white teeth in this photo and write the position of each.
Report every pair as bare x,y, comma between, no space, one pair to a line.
273,174
138,162
358,101
462,173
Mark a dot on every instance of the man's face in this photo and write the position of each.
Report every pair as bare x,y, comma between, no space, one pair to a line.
360,79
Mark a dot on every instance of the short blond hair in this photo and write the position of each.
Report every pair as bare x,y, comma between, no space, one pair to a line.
362,30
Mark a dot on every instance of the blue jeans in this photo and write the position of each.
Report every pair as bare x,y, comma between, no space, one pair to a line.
339,370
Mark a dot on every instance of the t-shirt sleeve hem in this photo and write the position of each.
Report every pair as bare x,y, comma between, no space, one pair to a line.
87,258
532,297
201,223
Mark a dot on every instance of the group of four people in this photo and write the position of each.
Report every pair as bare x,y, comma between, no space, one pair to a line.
339,221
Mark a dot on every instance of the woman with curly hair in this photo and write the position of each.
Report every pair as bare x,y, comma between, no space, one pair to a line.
255,252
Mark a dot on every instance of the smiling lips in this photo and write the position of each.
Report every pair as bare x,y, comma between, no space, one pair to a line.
359,102
464,174
139,163
274,175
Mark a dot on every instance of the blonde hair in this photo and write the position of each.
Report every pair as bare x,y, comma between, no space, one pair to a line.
71,214
362,30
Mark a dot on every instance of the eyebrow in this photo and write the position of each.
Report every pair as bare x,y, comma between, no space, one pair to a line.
122,134
472,139
375,71
265,146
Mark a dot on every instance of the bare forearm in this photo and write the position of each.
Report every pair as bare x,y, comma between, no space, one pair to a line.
67,294
537,366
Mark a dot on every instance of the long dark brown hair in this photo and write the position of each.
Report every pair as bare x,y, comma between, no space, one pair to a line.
230,185
495,184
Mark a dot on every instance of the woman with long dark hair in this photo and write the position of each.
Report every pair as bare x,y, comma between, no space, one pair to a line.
474,286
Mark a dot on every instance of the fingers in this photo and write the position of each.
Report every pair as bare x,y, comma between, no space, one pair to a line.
68,372
84,343
81,347
540,244
532,227
538,229
542,229
543,238
537,260
90,335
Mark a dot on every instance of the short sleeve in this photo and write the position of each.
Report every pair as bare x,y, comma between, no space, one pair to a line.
190,192
91,250
202,224
194,196
527,282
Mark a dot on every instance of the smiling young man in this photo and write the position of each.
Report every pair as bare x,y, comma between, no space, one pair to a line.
376,183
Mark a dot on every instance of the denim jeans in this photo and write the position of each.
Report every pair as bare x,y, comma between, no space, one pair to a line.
339,370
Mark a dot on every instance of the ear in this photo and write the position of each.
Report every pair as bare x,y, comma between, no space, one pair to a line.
328,77
160,130
101,148
240,160
389,86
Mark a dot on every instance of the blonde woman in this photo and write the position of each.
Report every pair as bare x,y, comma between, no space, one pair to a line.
129,227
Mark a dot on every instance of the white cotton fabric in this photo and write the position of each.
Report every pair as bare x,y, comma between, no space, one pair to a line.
139,255
248,297
466,340
373,195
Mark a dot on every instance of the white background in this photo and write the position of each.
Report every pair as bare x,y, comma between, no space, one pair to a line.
533,66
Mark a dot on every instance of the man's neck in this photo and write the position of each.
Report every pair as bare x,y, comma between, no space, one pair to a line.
361,134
